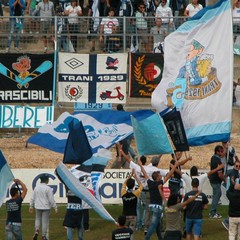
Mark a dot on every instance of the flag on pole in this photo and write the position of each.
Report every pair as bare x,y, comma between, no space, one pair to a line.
82,192
77,148
174,125
198,74
103,128
6,178
151,136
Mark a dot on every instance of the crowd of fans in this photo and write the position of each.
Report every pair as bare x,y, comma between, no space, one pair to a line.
150,20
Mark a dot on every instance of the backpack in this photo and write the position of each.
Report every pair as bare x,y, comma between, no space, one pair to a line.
231,157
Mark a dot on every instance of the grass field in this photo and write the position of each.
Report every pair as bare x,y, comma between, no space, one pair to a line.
101,229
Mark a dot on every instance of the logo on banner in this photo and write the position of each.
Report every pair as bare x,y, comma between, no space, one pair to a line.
73,93
111,63
197,79
145,76
74,63
22,65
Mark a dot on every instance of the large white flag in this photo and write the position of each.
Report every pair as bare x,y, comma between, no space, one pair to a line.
198,74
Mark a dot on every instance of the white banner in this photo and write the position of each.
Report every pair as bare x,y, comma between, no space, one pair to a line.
25,116
92,78
110,185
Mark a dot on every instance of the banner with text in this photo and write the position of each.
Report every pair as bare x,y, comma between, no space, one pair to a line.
26,78
145,73
91,78
25,116
110,185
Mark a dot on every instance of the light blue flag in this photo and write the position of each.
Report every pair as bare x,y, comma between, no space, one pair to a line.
151,136
81,191
6,178
197,75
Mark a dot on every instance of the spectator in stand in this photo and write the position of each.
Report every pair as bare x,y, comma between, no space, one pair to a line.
130,199
178,7
122,232
73,12
216,179
46,10
158,36
17,8
164,12
13,206
192,8
194,211
107,27
115,4
151,6
236,17
42,200
233,195
91,28
142,26
34,22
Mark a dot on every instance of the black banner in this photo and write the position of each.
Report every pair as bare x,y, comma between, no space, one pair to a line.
26,78
174,125
146,73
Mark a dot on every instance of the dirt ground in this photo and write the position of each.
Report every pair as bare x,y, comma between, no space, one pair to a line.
19,156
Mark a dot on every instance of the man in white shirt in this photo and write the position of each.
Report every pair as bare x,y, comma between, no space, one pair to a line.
192,8
73,11
164,12
42,200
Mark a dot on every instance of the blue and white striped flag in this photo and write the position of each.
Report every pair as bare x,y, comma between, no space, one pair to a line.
198,74
6,178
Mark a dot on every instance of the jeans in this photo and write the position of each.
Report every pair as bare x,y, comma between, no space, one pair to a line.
70,233
216,187
155,224
13,232
141,206
13,27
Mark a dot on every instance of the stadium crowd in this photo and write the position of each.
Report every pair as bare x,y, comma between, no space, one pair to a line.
150,20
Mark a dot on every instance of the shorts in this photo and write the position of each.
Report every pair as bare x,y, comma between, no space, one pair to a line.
195,225
46,27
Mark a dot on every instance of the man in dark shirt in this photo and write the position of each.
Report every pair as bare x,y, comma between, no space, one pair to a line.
216,180
122,232
233,195
14,220
193,222
130,198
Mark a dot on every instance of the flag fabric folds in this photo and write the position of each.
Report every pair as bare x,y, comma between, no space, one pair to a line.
6,178
103,128
198,74
77,148
80,191
151,136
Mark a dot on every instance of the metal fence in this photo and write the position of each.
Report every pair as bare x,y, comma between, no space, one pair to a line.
32,35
